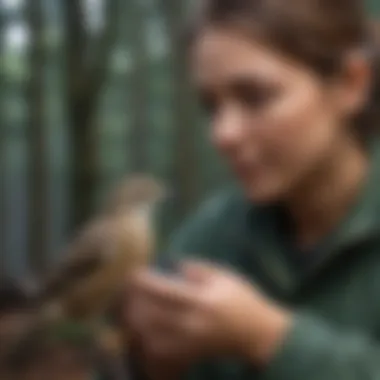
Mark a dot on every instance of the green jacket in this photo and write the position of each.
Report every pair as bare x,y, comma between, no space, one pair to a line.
335,296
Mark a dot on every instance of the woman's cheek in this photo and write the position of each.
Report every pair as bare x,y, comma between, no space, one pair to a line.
292,129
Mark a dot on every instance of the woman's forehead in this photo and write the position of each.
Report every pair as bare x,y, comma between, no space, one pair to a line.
219,56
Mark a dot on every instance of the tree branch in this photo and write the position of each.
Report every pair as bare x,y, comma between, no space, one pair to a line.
38,162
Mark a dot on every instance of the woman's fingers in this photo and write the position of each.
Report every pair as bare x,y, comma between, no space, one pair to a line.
160,332
163,288
144,315
160,307
198,271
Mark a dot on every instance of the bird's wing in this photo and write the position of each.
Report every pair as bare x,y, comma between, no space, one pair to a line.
98,261
83,257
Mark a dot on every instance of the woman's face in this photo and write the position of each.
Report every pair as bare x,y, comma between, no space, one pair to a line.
274,121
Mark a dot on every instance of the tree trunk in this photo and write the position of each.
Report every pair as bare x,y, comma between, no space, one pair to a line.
38,149
185,166
2,156
138,88
84,81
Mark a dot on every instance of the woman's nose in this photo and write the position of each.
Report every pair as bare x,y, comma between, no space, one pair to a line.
227,130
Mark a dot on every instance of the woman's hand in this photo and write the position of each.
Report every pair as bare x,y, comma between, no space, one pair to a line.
206,311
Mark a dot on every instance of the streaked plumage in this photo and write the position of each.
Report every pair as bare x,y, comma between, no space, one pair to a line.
97,262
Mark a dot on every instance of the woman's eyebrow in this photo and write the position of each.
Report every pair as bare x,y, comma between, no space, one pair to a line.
249,79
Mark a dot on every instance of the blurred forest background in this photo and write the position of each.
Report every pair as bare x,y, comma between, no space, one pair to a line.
91,90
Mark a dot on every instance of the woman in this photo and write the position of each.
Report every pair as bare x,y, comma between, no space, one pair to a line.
291,94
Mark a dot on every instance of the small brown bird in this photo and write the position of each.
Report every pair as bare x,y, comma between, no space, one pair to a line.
97,262
94,268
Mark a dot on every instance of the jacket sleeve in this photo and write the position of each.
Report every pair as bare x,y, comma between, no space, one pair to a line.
316,350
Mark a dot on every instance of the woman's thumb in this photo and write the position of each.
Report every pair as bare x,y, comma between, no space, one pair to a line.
197,271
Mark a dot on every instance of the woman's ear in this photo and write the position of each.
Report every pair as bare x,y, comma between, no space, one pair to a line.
354,84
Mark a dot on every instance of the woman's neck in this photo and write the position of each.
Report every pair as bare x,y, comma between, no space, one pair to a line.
319,205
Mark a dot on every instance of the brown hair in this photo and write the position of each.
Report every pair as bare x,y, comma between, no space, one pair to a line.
318,33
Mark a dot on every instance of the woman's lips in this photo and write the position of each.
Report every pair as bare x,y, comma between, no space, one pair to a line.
246,171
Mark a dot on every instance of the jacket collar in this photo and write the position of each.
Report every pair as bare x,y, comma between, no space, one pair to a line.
360,226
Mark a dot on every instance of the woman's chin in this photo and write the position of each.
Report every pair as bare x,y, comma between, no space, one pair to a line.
262,193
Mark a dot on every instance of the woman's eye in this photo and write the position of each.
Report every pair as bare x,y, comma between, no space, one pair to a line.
255,96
